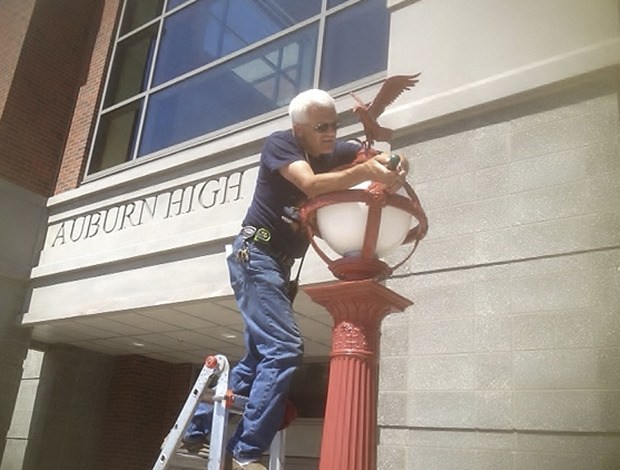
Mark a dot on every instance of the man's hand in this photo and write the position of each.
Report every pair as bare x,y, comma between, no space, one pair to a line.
392,179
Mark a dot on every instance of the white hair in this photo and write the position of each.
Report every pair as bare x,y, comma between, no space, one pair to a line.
301,104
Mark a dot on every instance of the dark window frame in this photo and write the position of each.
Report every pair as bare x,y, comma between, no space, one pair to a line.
141,98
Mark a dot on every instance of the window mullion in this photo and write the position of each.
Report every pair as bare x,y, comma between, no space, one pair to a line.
138,136
178,7
105,88
319,46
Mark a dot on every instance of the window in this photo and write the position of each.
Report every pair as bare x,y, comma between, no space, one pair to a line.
182,70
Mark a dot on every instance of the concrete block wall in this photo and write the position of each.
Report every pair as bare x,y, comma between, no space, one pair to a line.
508,358
67,394
19,431
13,349
21,216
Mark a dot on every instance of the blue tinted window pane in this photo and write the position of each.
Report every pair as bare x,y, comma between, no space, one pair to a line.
298,9
248,86
351,51
333,3
174,3
208,30
282,12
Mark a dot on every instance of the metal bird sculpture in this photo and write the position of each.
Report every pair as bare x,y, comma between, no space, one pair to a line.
391,89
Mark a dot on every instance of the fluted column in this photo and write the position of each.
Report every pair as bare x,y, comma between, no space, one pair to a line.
350,429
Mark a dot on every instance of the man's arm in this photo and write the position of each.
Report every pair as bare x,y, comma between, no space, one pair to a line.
301,175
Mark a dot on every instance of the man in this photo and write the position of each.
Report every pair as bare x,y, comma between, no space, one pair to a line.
295,164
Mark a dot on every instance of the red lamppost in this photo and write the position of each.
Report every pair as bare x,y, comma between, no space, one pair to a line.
361,225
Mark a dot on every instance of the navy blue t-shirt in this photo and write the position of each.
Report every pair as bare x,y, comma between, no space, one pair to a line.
273,192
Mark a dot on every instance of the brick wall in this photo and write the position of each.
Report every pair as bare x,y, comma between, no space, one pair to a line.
46,47
145,397
75,154
14,21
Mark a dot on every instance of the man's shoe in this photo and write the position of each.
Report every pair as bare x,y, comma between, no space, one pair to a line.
255,465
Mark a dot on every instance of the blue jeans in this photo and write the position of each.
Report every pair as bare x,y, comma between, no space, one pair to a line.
274,350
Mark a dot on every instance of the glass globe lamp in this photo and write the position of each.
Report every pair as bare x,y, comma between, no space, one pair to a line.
362,225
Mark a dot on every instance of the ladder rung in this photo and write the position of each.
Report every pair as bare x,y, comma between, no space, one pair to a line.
224,402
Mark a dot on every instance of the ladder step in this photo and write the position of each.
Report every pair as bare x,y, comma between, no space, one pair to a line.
234,403
189,462
224,402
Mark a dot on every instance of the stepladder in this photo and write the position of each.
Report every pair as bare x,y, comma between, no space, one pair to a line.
211,387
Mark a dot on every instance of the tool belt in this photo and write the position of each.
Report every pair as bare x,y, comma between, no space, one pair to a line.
261,237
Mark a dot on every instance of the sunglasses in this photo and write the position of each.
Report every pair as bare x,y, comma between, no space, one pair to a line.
325,126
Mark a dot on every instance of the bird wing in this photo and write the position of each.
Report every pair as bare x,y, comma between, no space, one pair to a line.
360,103
390,90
